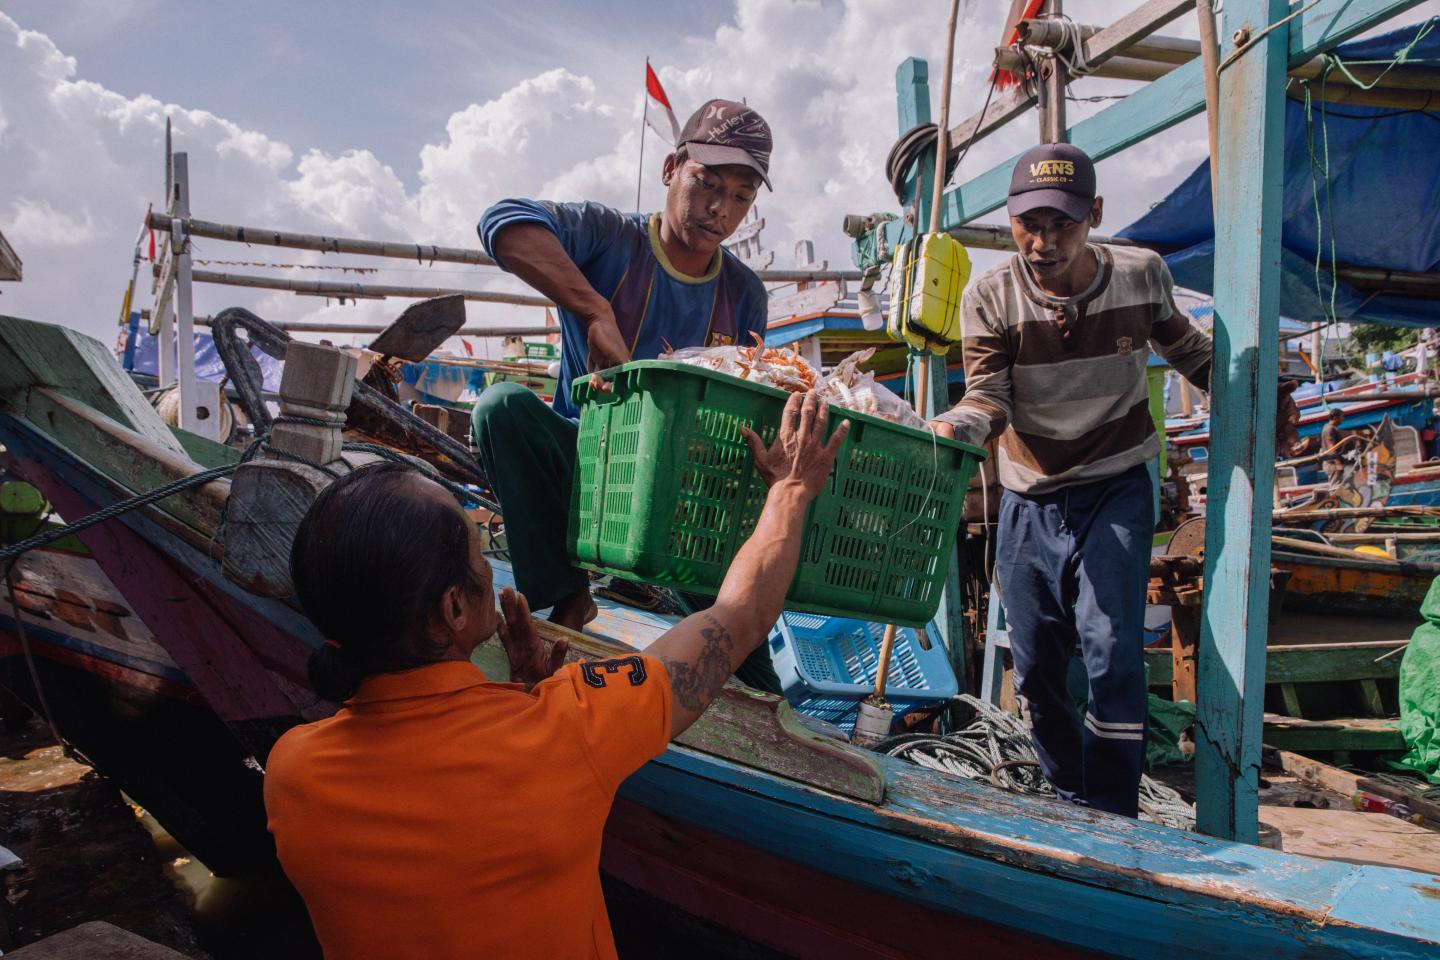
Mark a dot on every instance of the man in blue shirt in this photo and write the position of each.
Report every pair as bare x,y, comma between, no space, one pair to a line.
626,285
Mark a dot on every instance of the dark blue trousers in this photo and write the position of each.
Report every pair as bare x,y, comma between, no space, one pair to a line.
1072,567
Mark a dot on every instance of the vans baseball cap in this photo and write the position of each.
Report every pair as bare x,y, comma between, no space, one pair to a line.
1055,175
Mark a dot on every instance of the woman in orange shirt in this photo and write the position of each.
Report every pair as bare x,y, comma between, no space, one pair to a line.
440,814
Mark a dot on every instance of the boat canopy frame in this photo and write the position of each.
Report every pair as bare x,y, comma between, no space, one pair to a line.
1265,40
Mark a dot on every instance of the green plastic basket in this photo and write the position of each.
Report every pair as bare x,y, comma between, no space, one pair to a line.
666,491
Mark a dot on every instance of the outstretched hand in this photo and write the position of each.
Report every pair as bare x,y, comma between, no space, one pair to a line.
529,662
800,452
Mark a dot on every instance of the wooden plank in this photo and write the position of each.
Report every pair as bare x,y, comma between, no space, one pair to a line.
130,460
1100,47
1306,736
1237,549
1314,663
80,367
1175,97
742,725
1354,837
10,266
912,104
1318,773
1291,696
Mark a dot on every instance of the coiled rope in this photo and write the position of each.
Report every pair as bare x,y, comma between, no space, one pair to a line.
995,748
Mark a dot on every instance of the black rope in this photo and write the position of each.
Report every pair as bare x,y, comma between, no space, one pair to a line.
7,554
12,552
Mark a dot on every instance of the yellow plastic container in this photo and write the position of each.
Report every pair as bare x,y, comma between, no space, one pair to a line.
932,272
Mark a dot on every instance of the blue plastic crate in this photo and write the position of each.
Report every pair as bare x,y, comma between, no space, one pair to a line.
827,665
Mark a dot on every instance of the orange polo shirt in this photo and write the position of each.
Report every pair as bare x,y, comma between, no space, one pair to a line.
441,815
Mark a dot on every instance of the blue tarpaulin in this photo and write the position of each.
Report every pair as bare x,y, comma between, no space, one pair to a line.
208,365
1379,205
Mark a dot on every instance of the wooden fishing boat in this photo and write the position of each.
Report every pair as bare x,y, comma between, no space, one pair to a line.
796,840
1329,579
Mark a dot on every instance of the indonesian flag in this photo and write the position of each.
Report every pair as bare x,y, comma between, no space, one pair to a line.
1019,10
655,97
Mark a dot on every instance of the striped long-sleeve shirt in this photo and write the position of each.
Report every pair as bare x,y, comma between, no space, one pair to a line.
1064,378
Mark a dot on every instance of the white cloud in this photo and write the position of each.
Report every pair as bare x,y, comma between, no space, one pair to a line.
79,163
35,222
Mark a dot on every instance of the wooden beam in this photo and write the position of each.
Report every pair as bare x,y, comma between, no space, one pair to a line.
333,288
1305,736
10,266
302,327
912,102
402,250
1107,43
1173,98
1382,97
1237,549
1116,68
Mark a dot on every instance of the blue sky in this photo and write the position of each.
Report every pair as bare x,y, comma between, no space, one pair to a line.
404,122
340,75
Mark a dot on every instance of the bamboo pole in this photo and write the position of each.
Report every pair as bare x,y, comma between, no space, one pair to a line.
332,288
423,253
1210,64
1356,513
479,332
922,367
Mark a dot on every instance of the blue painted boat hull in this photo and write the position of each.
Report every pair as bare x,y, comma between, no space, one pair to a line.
966,861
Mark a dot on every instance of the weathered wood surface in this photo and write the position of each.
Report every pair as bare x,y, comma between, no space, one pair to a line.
1173,98
1231,668
1334,585
11,267
129,459
268,499
421,329
1355,837
41,355
1313,663
1305,736
96,940
317,385
1052,871
745,726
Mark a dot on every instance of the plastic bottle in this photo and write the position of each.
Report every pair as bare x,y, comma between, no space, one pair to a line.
1371,803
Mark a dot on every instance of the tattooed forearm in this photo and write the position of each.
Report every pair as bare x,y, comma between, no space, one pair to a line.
695,681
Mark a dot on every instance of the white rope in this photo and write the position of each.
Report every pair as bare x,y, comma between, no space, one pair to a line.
1077,64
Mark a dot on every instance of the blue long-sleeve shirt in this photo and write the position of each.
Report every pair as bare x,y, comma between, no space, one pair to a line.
654,304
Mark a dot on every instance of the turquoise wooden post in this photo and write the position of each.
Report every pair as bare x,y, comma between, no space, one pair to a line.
912,99
1231,689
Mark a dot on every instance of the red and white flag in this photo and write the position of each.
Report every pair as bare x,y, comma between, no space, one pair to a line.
655,99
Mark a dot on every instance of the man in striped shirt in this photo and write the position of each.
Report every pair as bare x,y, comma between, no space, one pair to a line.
1056,345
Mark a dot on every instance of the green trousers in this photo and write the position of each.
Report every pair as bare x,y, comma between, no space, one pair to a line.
528,452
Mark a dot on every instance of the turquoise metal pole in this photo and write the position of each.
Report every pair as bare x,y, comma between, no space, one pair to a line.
1230,712
912,101
1162,103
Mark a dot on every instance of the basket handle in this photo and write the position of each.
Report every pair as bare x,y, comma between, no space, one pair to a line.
582,393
